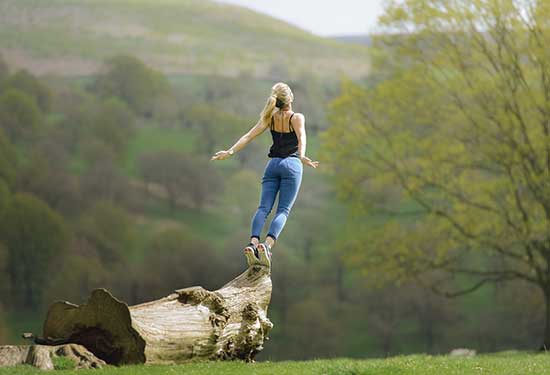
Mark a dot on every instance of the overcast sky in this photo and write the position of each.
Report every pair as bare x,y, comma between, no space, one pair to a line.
322,17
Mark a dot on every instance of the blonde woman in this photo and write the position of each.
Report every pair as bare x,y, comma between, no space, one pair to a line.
283,172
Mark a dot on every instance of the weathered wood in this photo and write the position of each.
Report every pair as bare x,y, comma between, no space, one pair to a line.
43,356
191,323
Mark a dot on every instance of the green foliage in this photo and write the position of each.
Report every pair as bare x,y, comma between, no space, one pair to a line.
176,257
113,125
63,363
132,81
83,270
35,237
5,195
19,115
149,139
216,126
3,325
109,229
453,138
8,160
26,82
4,71
183,176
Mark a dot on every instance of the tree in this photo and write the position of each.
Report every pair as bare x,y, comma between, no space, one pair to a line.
4,70
45,174
3,327
113,124
19,115
8,160
130,80
26,82
182,176
102,179
449,148
177,256
35,237
109,229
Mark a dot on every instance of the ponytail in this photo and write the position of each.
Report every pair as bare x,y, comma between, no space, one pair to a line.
268,109
280,96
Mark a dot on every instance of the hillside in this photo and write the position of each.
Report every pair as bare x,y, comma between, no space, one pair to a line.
365,40
73,37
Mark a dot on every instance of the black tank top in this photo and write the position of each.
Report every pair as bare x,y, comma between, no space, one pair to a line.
284,144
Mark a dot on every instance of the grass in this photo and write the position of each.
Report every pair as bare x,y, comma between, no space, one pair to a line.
152,138
175,36
499,363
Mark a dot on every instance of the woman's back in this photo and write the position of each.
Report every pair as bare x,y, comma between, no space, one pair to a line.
285,140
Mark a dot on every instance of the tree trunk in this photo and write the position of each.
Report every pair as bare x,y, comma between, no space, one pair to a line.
191,323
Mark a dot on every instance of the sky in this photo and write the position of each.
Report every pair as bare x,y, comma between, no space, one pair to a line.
321,17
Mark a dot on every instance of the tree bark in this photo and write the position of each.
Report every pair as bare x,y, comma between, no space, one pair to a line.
191,323
43,356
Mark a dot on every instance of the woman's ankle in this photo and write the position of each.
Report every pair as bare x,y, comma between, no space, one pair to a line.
254,240
270,241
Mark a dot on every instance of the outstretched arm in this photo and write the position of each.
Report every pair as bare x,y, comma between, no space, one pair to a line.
299,125
255,131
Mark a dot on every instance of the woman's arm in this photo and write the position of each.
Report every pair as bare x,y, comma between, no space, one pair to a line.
299,125
255,131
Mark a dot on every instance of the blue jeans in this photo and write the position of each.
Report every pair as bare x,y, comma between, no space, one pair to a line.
283,176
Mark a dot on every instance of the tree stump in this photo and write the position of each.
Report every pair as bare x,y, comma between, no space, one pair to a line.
191,323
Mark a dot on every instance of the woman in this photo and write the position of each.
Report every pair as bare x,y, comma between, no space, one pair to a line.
283,172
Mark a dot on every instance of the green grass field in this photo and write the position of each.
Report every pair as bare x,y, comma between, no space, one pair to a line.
71,37
500,363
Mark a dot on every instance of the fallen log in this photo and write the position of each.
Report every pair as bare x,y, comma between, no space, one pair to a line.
191,323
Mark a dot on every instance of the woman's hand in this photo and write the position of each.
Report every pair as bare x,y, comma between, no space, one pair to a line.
221,155
308,161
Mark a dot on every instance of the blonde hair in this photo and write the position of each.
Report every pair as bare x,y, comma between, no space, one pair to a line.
279,91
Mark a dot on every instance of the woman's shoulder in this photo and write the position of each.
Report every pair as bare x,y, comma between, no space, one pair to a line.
297,118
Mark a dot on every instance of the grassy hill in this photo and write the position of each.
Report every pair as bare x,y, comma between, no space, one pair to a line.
365,40
72,37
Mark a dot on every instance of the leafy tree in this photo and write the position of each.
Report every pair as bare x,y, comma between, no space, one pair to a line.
216,127
5,195
93,121
237,201
3,327
130,80
176,257
8,160
36,238
102,179
19,115
113,124
82,272
448,152
110,230
26,82
4,71
73,128
182,176
45,174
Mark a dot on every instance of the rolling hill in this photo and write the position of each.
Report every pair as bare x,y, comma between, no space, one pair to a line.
73,37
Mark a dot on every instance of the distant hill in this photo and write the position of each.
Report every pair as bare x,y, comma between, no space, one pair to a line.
354,39
73,37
